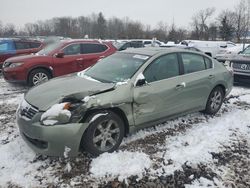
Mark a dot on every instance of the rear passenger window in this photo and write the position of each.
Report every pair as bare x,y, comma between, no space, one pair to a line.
93,48
192,63
208,63
147,42
22,45
162,68
35,45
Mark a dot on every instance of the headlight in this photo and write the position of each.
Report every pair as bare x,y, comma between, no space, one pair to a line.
12,65
61,113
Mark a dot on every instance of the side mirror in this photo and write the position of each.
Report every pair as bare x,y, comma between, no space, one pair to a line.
60,55
141,82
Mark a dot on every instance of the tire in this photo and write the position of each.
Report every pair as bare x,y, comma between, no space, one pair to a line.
214,101
38,76
104,134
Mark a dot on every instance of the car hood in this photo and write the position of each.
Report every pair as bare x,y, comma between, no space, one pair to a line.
241,58
25,58
53,91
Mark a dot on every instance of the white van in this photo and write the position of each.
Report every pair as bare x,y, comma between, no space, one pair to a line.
210,48
149,42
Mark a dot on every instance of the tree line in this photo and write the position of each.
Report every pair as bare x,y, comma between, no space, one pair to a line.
204,25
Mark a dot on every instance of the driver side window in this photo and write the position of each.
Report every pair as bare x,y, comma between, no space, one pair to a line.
164,67
72,49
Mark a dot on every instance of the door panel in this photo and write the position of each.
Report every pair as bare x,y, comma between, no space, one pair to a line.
198,87
66,64
157,100
160,97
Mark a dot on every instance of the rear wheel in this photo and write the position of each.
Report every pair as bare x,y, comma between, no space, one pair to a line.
104,134
38,76
214,101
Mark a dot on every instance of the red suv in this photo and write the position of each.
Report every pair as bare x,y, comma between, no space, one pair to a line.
12,47
57,59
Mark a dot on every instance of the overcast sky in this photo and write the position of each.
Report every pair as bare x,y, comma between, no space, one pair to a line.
149,12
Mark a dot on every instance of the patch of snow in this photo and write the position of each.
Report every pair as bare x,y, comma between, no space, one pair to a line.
83,75
53,112
87,98
245,98
68,167
97,116
122,83
17,166
15,100
239,91
201,182
196,144
50,122
143,57
66,152
120,164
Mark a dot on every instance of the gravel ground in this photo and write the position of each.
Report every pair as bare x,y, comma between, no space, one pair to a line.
230,166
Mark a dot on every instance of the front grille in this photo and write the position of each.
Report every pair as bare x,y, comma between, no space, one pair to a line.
28,111
241,66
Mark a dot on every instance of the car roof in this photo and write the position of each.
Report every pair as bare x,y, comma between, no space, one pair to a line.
20,39
68,41
151,51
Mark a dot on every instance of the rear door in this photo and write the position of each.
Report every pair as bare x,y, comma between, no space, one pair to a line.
69,62
198,77
22,47
92,52
161,96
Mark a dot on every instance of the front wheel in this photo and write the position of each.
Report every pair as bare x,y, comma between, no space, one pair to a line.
104,134
38,76
214,101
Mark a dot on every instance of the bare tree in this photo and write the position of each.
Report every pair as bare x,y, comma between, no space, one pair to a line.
9,30
242,16
160,32
226,24
200,23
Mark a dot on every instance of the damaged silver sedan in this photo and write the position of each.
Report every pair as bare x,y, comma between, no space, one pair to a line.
93,110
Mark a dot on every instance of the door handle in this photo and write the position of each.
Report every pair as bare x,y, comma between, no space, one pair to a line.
180,86
211,76
102,56
79,59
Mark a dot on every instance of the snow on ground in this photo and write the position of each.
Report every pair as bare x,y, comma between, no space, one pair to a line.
16,164
120,164
196,145
191,144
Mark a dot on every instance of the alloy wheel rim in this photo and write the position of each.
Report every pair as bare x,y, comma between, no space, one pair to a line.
216,100
39,78
106,135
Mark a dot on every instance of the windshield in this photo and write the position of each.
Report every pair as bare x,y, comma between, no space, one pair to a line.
118,45
246,51
49,48
118,67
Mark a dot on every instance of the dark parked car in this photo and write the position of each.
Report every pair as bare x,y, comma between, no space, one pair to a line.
57,59
131,44
241,66
13,47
